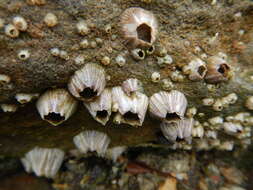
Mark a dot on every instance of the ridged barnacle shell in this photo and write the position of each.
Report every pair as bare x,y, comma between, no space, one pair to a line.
132,85
196,69
56,106
178,130
168,105
130,110
93,141
139,27
101,107
218,70
88,82
43,161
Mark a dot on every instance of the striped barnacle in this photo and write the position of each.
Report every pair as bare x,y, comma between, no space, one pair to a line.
20,23
56,106
93,141
101,107
196,69
88,82
139,27
130,110
43,161
168,105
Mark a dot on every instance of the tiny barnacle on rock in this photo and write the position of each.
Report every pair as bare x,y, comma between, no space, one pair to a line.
211,134
101,107
24,98
176,76
82,28
208,101
79,60
93,44
150,50
23,54
55,52
11,31
88,82
93,141
167,59
139,27
43,161
4,79
217,106
20,23
227,145
9,108
108,28
168,105
232,127
215,120
115,152
198,131
196,69
120,60
249,103
138,54
64,55
191,112
36,2
84,43
105,60
132,85
229,99
167,84
50,20
155,77
56,106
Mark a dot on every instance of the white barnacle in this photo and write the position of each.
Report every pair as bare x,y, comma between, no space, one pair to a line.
132,85
138,54
168,105
211,134
55,52
88,82
4,79
120,60
218,105
196,69
23,54
84,43
43,161
191,112
167,84
20,23
226,145
208,101
64,55
217,120
232,127
9,108
24,98
92,141
249,103
11,31
178,130
198,131
82,28
130,110
56,106
50,20
115,152
101,107
155,77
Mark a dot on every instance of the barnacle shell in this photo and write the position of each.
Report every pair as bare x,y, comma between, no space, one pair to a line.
43,161
139,27
4,79
20,23
8,108
130,110
249,103
168,105
93,141
180,129
25,97
88,82
218,70
196,69
101,108
232,127
56,106
131,86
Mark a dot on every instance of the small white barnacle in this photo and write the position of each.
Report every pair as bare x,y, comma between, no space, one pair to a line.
249,103
84,43
139,27
198,131
168,105
115,152
120,60
176,76
155,77
101,107
24,98
178,130
132,85
218,105
232,127
56,106
92,141
11,31
88,82
82,28
130,110
241,116
4,79
79,60
23,54
138,54
43,161
105,60
216,120
196,69
229,99
211,134
167,84
191,112
9,108
150,50
208,101
167,59
50,20
20,23
226,145
64,55
55,52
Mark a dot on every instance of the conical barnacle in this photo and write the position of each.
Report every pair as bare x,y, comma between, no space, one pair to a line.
130,110
232,127
56,106
178,130
138,54
24,98
93,141
218,70
139,27
43,161
131,85
8,108
88,82
101,108
196,69
168,105
4,79
115,152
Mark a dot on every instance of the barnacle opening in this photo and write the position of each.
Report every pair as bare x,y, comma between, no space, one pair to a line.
54,117
223,69
144,32
102,114
88,93
131,116
141,53
201,70
172,116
